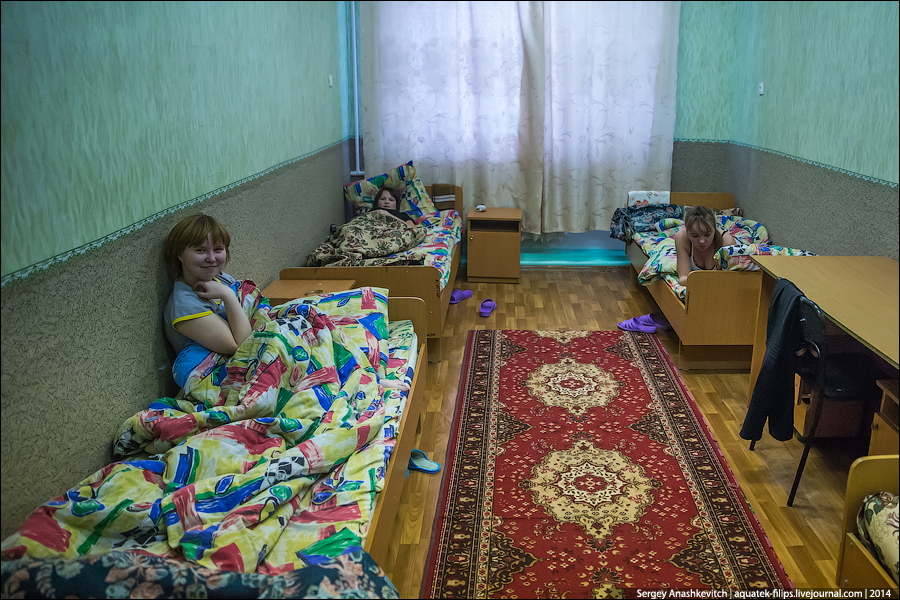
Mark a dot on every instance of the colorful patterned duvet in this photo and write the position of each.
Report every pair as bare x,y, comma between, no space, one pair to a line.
267,461
361,243
658,243
444,232
371,235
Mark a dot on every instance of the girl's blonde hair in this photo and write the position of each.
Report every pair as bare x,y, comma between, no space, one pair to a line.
192,231
697,217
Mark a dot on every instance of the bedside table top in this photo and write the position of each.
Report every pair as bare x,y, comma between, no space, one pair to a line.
495,213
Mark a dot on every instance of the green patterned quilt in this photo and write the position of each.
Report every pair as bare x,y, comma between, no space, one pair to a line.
266,461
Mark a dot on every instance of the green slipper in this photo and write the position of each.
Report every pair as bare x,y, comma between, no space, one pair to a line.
419,462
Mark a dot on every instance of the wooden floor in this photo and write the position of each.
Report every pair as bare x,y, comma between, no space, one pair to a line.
805,537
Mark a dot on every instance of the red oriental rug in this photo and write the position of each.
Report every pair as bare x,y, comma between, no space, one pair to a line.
580,467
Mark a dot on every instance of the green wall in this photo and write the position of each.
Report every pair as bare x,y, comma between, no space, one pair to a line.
830,71
705,67
115,111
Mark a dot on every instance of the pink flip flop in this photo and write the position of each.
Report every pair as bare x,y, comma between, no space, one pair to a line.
460,295
634,325
654,320
486,307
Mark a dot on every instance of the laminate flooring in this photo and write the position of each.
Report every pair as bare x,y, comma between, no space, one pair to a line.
805,537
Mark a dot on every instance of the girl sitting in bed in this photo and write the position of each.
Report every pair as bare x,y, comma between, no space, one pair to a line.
203,313
698,241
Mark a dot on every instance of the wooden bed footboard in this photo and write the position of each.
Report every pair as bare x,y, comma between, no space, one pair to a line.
716,324
417,281
381,528
857,568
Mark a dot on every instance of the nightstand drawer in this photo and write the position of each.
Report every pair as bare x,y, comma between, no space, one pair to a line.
885,439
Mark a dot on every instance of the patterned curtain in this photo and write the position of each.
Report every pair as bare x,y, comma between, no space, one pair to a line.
558,108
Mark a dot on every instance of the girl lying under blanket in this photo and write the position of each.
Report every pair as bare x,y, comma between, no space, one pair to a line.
374,237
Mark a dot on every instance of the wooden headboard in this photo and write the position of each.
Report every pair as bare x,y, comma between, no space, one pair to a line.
439,193
856,567
713,200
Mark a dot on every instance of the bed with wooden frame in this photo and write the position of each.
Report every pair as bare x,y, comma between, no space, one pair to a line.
716,323
857,568
381,526
418,281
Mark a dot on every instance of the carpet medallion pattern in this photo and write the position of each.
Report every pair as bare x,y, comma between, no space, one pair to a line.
580,467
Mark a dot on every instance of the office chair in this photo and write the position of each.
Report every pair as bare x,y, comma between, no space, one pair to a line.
829,376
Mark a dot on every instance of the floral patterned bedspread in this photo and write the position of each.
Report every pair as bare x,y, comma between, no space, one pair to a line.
657,241
267,461
132,575
442,232
371,235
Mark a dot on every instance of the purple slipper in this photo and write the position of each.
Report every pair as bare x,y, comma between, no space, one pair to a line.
654,320
634,325
460,295
486,307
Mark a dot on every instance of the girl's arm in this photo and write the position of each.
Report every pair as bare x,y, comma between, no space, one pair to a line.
212,331
682,255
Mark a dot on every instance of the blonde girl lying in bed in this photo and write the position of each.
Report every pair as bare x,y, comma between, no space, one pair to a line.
698,241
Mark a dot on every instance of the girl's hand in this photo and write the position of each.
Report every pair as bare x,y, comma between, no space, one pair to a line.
212,331
212,290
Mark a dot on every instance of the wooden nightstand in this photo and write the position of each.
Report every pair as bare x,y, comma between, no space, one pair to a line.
285,290
494,245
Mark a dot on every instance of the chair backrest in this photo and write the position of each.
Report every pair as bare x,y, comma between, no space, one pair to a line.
812,329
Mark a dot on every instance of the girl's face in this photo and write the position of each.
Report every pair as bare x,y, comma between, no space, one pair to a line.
701,236
387,201
203,262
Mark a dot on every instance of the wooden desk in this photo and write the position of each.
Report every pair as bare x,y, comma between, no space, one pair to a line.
858,293
284,290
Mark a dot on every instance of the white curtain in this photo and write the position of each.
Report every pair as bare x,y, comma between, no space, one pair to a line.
558,108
